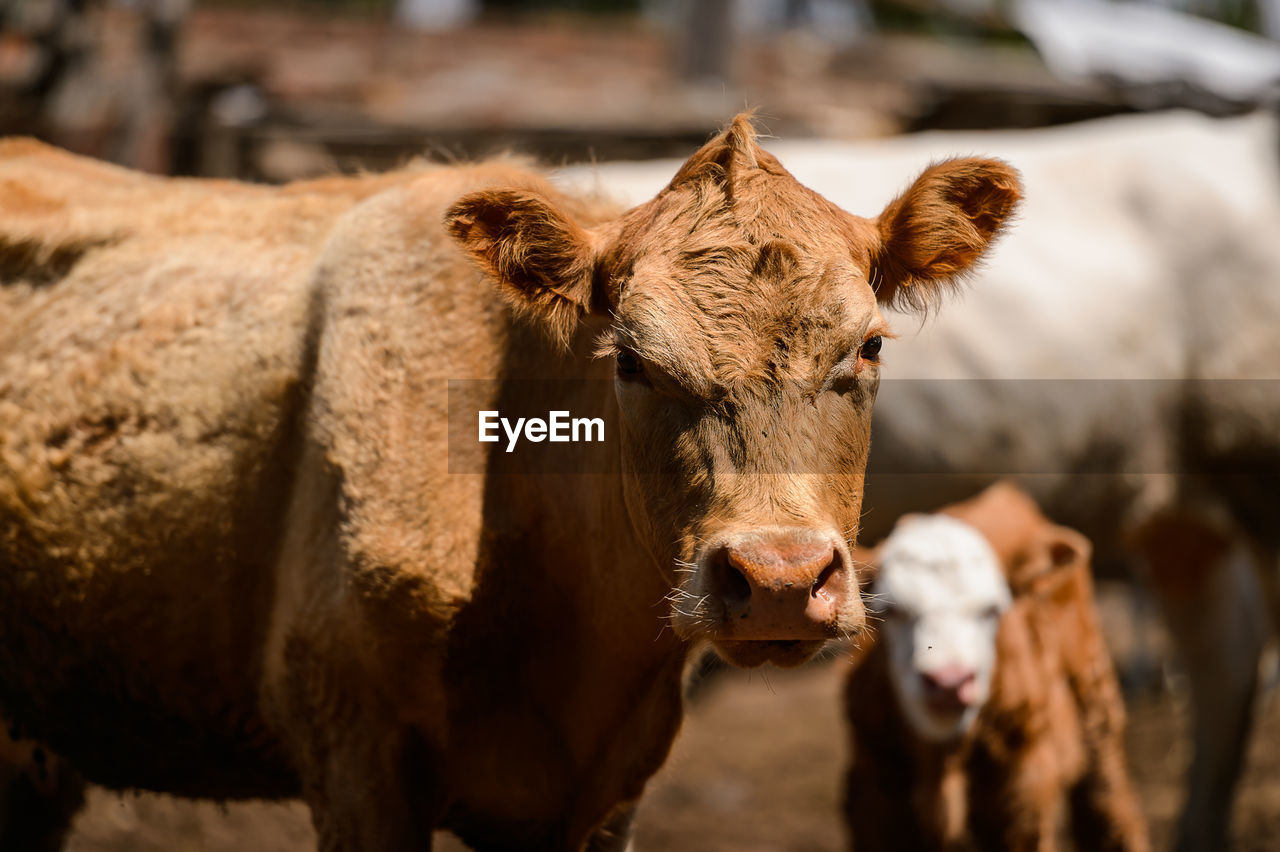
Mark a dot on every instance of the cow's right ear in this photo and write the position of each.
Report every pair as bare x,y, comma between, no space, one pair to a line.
544,261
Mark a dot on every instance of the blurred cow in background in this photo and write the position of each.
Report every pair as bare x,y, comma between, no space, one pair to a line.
987,702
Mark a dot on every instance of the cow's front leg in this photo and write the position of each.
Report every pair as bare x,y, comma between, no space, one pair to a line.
1105,814
369,777
1033,826
372,791
1104,808
1024,813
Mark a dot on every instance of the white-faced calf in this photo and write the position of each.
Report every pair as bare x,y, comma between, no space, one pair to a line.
986,711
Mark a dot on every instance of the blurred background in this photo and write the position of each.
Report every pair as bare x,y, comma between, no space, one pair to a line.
279,89
276,91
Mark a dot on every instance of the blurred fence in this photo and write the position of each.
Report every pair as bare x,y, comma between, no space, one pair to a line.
292,88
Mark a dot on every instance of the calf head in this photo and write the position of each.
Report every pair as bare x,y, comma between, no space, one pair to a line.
741,313
941,591
942,584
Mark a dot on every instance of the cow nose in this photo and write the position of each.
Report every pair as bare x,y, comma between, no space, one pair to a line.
950,687
785,586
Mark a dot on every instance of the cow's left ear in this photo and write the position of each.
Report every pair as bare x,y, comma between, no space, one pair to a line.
937,231
544,261
1051,561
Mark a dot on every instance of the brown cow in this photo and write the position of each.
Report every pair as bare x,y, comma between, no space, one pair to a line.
988,702
234,561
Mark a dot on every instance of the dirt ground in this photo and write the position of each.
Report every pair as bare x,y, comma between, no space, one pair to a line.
757,767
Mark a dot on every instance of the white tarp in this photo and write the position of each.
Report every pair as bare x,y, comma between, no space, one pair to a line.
1149,45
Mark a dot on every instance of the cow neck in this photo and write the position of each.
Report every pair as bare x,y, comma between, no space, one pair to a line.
581,515
612,671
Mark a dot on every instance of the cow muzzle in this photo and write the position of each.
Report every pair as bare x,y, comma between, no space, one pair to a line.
783,585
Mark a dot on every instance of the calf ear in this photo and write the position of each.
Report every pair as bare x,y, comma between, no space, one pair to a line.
936,232
543,260
1051,562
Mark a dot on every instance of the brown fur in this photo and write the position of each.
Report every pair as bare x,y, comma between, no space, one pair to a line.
233,560
1047,744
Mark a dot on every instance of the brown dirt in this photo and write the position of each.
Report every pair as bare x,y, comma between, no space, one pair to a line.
757,767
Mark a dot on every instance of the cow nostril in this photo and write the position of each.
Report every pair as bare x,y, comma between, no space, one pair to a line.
734,585
827,573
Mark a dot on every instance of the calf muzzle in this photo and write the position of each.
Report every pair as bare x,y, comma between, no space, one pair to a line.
950,689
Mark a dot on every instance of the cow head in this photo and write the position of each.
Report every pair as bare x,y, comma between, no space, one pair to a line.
741,314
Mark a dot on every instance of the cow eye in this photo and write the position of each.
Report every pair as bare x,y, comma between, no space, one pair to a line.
991,613
629,366
870,350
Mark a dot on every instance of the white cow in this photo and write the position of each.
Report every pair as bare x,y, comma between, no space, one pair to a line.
1119,356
